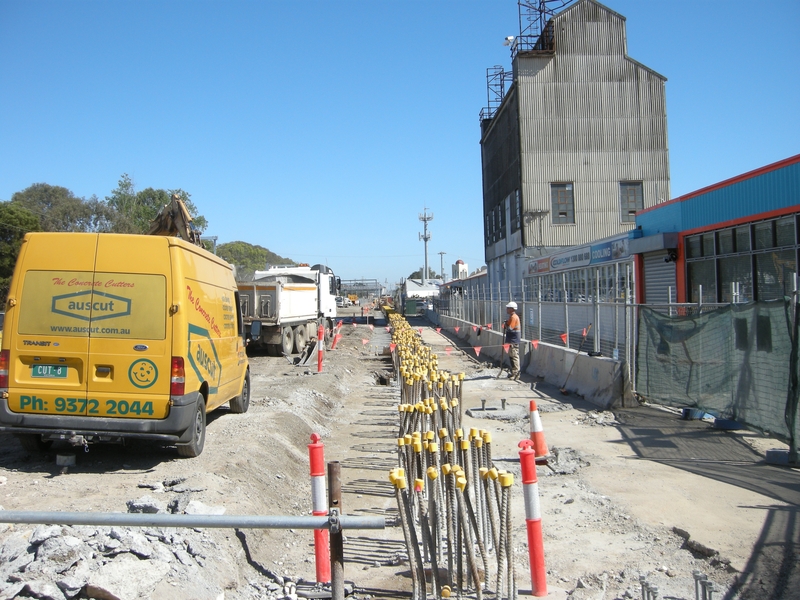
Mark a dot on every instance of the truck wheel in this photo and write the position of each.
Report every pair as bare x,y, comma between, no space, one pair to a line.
300,338
32,442
241,403
287,340
195,447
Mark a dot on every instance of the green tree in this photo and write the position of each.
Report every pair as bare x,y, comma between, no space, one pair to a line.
248,258
135,210
58,209
15,222
418,274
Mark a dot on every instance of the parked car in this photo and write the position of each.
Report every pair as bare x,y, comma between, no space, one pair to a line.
340,302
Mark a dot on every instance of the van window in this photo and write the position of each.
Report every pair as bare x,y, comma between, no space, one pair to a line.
83,304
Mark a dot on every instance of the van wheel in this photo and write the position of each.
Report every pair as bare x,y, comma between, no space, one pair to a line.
241,403
300,338
287,340
33,442
195,447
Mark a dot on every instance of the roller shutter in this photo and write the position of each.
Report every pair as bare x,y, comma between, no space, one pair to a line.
659,276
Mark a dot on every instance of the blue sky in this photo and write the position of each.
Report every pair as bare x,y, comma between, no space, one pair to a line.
322,129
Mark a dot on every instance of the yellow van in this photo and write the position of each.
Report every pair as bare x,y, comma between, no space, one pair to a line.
110,337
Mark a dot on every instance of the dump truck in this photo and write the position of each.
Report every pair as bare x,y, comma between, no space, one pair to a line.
284,306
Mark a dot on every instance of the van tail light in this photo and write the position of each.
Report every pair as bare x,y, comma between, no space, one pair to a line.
177,378
4,358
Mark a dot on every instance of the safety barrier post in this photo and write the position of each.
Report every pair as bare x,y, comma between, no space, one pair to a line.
537,435
533,518
316,454
320,346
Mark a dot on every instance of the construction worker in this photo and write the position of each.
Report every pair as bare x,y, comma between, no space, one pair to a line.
512,337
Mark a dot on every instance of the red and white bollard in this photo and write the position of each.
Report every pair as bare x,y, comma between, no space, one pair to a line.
533,518
336,335
320,347
319,504
537,435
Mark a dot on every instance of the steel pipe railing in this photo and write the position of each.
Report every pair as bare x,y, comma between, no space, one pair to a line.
169,520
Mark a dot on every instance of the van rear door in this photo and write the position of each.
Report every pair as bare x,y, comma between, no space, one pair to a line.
128,374
50,348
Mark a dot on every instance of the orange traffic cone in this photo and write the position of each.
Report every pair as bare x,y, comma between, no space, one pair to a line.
537,435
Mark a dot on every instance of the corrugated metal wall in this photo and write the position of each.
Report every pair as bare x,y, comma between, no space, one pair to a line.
500,156
592,116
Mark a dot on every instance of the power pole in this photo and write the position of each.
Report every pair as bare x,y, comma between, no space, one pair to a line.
441,264
425,237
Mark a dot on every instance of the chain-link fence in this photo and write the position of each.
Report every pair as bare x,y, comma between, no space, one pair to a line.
608,327
736,361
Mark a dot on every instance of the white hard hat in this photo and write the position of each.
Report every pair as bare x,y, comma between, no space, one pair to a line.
512,305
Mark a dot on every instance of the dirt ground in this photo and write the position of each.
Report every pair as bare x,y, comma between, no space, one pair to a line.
633,493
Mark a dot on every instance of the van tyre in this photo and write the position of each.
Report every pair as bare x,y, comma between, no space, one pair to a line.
195,447
32,442
241,403
287,340
300,338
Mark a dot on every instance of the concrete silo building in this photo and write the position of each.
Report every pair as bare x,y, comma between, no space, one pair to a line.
573,140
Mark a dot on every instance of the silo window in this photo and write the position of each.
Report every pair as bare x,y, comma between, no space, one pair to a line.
563,203
631,199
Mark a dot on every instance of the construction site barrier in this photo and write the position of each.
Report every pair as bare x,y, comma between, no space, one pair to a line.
454,504
537,435
319,503
320,346
533,518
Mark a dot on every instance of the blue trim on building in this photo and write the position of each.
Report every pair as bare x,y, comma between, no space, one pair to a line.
742,197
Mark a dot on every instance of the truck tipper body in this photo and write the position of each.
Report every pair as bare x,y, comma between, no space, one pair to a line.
110,337
283,307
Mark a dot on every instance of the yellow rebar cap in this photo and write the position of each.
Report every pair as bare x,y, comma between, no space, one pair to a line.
507,479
